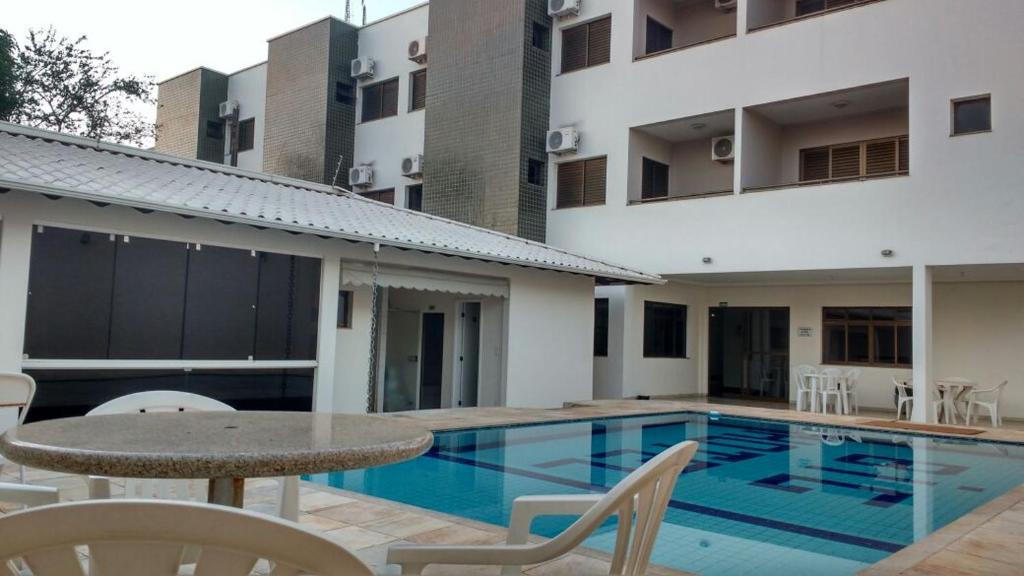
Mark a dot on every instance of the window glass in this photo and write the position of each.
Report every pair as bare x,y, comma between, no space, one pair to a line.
857,343
834,342
246,134
215,129
418,90
664,330
344,309
904,345
875,336
287,308
659,36
535,172
71,276
220,305
343,93
541,37
414,197
601,327
972,115
380,100
884,338
654,180
149,299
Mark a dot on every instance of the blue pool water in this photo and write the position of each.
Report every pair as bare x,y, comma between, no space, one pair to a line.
760,497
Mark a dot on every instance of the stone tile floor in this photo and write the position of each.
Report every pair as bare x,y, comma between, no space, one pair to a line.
989,540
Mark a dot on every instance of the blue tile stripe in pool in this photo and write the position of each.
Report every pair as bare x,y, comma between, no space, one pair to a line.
760,497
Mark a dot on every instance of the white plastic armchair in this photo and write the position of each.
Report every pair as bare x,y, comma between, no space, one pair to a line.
804,390
133,537
987,399
28,495
16,393
174,401
645,492
904,397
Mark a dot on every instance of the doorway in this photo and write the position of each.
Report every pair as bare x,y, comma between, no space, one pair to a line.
432,363
414,360
468,345
748,353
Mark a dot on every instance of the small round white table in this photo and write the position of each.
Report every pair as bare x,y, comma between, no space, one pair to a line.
952,390
225,447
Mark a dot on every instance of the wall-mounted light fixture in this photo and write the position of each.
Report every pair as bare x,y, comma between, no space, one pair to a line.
887,253
706,260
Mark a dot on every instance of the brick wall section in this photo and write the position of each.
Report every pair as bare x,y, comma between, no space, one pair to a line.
177,115
487,97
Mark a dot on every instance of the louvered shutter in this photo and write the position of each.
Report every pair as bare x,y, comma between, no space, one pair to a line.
904,161
594,180
574,48
599,42
880,157
845,161
389,98
814,164
570,185
419,89
371,103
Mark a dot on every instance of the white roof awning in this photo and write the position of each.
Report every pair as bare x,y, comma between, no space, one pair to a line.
361,274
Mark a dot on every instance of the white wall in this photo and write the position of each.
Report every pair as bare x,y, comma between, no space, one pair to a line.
961,189
385,142
249,88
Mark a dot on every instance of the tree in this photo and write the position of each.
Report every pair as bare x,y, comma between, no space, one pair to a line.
61,85
8,101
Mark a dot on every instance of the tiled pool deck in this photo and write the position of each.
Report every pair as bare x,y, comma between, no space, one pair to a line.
989,540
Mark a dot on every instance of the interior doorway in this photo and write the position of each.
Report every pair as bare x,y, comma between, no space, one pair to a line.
467,342
748,353
432,360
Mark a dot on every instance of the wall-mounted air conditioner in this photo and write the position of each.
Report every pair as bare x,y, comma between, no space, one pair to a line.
722,149
412,166
361,175
563,140
227,109
563,8
362,67
725,5
418,50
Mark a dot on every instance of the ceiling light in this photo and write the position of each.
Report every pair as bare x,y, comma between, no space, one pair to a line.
698,125
840,104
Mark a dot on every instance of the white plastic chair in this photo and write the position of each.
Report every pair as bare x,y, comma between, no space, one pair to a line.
830,389
852,378
174,401
987,399
904,397
133,537
804,390
646,491
27,495
16,393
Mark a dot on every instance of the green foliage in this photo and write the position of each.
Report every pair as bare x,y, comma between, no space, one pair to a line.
61,85
8,101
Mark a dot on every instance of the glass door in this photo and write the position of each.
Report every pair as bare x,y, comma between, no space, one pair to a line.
748,353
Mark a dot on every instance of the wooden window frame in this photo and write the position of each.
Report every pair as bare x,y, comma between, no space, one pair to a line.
376,195
586,44
378,86
870,324
685,336
953,103
583,193
862,172
601,347
412,89
345,321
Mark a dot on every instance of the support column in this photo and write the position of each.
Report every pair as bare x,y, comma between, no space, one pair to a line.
15,254
922,319
327,333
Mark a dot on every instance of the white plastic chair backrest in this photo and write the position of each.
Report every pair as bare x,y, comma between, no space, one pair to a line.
162,401
16,393
831,378
802,371
132,537
852,377
903,387
996,391
646,491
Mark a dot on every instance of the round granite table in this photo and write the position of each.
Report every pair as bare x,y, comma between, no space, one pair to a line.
225,447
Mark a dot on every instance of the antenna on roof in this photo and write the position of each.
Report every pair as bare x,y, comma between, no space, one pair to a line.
337,171
364,12
348,10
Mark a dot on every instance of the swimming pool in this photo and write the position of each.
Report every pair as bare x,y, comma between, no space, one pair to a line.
761,496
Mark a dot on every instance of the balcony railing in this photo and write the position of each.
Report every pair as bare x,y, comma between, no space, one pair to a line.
812,11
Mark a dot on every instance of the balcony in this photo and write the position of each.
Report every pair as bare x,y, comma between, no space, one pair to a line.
768,13
849,135
673,160
662,26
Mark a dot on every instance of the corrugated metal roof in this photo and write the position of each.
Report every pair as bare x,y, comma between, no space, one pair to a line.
51,163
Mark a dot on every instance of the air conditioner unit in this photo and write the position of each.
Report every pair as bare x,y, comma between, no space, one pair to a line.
564,8
412,166
725,5
418,50
361,175
722,149
362,67
227,109
563,140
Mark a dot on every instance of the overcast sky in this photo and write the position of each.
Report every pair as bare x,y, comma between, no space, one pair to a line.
225,35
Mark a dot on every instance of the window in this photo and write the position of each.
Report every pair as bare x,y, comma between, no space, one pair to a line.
246,134
380,100
418,90
878,336
659,36
805,7
972,115
386,195
414,197
215,129
600,327
882,157
536,170
343,93
541,37
664,330
344,309
654,181
581,183
587,44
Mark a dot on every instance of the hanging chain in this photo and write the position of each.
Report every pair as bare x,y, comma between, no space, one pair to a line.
371,376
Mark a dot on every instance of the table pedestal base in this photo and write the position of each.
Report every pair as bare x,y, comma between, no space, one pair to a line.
227,492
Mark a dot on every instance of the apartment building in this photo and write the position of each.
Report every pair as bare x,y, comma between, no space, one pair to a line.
824,182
